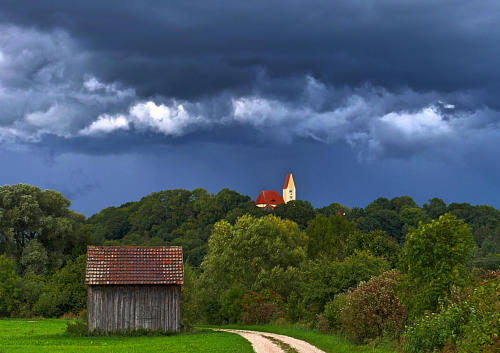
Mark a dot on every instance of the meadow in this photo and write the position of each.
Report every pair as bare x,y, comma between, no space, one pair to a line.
48,335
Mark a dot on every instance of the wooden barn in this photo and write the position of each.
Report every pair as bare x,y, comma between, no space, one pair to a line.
132,287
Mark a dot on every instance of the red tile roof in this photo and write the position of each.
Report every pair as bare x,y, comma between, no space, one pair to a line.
287,180
134,265
269,197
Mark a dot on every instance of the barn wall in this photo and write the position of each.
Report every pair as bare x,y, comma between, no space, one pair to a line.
114,308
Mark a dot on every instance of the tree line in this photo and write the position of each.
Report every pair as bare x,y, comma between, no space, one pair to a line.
243,264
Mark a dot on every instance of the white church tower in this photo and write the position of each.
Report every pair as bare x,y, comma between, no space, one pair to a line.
289,193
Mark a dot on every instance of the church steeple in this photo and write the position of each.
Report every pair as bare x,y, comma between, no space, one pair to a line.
289,193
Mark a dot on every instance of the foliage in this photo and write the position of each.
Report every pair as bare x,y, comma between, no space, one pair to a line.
332,311
326,236
372,309
76,328
434,331
31,287
482,331
246,254
65,291
29,213
188,298
323,279
435,208
9,290
377,242
232,305
170,217
382,219
34,259
434,259
469,322
301,212
333,209
261,307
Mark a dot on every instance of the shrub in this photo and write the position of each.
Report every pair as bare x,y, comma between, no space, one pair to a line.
372,309
65,291
481,332
470,323
295,309
262,307
76,328
434,331
188,299
323,278
231,302
332,311
9,286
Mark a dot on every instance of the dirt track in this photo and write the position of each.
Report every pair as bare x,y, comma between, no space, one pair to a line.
262,342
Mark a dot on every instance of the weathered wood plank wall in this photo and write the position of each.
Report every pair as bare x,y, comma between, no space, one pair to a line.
113,308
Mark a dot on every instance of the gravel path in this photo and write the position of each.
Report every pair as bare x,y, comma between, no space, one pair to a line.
261,344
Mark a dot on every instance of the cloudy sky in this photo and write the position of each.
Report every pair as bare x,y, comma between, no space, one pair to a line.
109,101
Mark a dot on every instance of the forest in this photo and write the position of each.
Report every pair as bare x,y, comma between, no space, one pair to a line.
425,276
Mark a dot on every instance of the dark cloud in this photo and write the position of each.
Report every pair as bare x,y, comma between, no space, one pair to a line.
380,84
186,49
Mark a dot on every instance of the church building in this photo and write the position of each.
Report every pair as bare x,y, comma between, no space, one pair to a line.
269,199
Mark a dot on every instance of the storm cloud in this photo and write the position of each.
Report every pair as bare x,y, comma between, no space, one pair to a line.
386,79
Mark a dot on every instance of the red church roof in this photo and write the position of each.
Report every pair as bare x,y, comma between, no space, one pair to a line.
269,197
287,180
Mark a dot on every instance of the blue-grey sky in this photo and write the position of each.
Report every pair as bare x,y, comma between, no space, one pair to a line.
107,101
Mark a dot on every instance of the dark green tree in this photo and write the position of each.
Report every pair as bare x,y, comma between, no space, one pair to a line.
65,291
382,219
376,242
29,213
9,289
323,279
399,203
326,236
34,260
333,209
435,208
379,204
434,259
301,212
244,255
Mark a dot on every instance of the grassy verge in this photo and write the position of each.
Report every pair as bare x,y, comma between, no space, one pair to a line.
328,343
49,335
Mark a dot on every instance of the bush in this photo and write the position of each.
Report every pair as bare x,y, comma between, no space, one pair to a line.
188,299
262,307
468,324
434,331
372,309
65,291
295,310
480,334
9,286
76,328
324,279
332,311
231,305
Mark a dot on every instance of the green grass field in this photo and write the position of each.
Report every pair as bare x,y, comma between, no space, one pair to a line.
328,343
49,336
